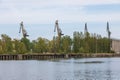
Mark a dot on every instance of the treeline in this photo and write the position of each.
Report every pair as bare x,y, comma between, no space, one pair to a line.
80,43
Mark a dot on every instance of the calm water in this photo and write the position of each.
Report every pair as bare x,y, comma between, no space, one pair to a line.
71,69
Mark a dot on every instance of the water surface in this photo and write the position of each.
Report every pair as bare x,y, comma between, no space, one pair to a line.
70,69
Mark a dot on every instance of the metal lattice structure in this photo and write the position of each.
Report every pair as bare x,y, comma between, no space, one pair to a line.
24,32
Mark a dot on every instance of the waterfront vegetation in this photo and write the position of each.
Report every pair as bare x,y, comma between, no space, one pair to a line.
80,43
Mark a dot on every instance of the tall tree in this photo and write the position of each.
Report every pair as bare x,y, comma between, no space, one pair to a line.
6,43
76,42
41,45
27,43
66,44
19,47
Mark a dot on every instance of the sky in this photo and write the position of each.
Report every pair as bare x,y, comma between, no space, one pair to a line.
39,17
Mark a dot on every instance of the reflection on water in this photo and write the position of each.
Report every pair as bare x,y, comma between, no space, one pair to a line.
71,69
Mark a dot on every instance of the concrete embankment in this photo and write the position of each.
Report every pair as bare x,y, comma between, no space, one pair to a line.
54,56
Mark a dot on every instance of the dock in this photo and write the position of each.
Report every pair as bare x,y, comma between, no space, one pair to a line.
53,56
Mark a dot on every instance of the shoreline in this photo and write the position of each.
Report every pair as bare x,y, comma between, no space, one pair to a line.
50,56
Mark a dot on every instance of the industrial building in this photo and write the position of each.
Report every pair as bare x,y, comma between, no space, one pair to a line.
115,45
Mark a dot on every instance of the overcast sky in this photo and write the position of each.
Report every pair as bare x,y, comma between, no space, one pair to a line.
39,17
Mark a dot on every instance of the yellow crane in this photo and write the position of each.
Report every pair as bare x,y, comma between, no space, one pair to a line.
23,30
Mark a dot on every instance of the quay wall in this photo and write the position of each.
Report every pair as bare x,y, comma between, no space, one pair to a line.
53,56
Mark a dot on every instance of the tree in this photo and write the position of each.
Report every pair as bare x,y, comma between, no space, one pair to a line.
19,47
27,43
76,42
6,44
1,47
66,44
51,46
41,45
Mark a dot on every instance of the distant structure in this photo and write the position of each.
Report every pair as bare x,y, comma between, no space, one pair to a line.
115,45
59,33
86,30
24,32
108,31
109,38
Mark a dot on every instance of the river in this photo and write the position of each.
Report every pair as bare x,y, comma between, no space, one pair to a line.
68,69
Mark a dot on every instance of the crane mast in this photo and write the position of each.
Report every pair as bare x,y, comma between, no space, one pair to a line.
109,37
59,32
108,30
23,30
85,30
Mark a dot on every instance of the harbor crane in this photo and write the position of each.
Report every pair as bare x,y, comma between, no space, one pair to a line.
108,30
86,30
59,32
23,30
109,34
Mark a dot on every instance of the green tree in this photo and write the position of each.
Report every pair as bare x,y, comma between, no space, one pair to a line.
41,45
51,46
1,47
19,47
76,42
66,44
6,44
27,43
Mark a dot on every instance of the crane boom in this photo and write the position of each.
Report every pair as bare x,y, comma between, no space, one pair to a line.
108,30
23,30
109,37
59,33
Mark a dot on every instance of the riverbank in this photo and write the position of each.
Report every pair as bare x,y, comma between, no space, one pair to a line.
54,56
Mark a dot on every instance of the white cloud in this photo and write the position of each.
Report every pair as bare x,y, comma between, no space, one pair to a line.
60,2
50,16
47,11
45,3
